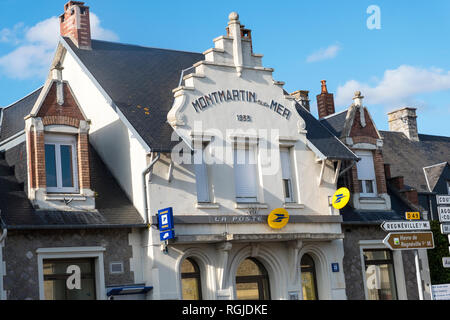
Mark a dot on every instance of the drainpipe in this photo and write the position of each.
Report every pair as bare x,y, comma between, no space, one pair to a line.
348,168
144,184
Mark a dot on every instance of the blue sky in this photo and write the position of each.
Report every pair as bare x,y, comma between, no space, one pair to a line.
405,63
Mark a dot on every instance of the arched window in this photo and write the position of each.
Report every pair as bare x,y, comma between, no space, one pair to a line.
309,282
252,281
190,280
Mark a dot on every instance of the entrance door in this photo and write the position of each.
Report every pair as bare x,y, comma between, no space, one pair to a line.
252,281
309,282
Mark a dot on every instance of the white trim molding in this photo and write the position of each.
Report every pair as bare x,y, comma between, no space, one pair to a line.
398,266
74,252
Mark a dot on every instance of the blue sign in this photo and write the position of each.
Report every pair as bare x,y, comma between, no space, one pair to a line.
165,219
335,267
166,235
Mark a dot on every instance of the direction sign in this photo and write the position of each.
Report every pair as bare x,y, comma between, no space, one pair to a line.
444,209
444,216
446,262
389,226
445,228
412,215
443,199
409,240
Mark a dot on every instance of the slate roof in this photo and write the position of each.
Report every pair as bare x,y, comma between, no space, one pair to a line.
13,115
433,173
323,139
407,158
399,205
136,78
335,122
114,209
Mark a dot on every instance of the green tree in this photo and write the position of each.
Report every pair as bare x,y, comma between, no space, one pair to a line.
439,274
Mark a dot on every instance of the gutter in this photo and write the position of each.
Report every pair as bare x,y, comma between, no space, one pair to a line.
144,185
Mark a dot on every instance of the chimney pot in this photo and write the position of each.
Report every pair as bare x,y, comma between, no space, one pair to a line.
302,97
325,101
75,24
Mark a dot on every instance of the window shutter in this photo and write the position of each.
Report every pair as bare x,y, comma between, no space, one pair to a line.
245,174
365,167
201,177
285,164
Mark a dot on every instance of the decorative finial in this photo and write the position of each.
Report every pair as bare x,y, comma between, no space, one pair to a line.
358,95
324,86
233,16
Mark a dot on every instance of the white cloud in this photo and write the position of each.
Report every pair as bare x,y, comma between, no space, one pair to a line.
397,87
324,54
35,46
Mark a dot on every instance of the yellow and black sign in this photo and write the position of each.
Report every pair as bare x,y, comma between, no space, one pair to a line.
412,215
278,218
340,198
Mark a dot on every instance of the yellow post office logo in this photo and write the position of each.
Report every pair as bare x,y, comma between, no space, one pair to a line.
278,218
341,198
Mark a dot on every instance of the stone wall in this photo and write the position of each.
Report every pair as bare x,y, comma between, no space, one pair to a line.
352,262
21,279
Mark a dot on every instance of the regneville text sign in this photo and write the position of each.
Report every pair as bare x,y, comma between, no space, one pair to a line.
222,96
405,225
409,241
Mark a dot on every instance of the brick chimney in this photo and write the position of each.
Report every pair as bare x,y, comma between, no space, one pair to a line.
325,101
302,97
75,24
404,120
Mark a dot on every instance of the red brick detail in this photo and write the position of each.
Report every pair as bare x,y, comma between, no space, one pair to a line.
397,182
61,120
364,139
358,130
325,104
84,176
412,196
39,160
31,158
75,23
354,178
379,172
50,106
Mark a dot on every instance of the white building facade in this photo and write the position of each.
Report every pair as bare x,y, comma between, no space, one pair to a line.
240,147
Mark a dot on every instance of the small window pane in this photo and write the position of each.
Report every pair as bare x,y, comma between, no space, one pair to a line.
187,266
248,268
380,276
50,165
190,288
247,291
66,166
369,186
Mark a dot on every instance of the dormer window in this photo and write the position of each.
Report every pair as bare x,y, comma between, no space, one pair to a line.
61,163
366,174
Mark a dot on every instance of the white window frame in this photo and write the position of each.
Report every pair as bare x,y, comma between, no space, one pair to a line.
59,140
364,193
74,253
286,174
252,149
398,267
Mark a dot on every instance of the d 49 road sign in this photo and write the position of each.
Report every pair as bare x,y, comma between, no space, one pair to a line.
409,240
